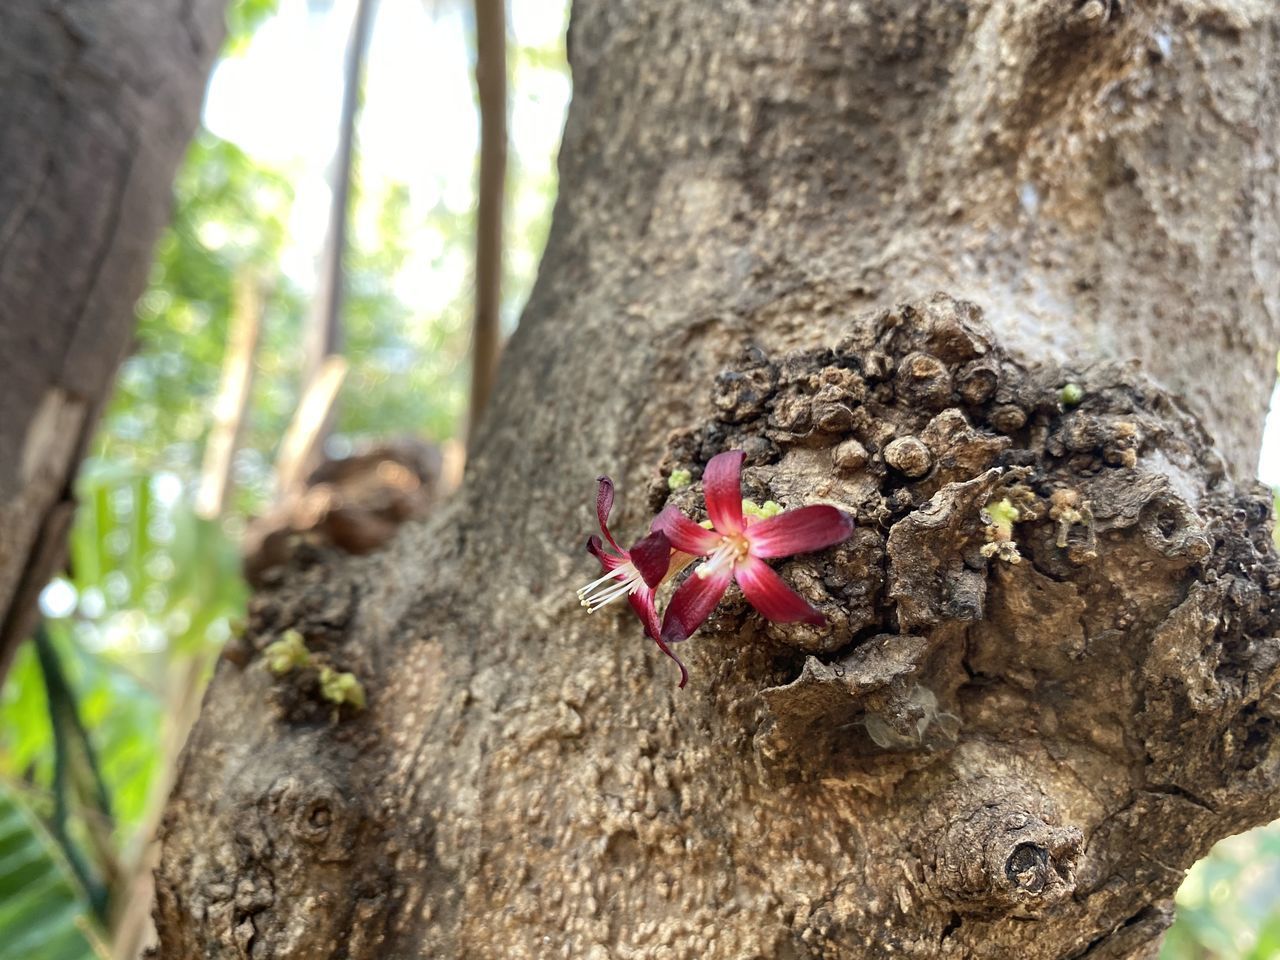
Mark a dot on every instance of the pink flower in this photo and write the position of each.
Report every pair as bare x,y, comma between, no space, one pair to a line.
635,574
736,550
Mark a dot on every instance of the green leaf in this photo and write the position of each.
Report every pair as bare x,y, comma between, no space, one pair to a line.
44,914
26,738
1268,945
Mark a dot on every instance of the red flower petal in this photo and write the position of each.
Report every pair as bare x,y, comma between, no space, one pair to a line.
693,603
607,559
799,531
652,557
722,486
642,602
604,506
684,674
770,595
685,535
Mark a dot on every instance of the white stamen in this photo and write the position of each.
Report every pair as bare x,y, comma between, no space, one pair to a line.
611,575
618,582
728,554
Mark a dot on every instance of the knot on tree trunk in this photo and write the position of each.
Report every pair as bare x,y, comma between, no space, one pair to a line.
1001,850
293,863
1051,577
966,471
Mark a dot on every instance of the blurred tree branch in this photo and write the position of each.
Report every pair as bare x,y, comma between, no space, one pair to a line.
491,85
76,774
324,336
232,403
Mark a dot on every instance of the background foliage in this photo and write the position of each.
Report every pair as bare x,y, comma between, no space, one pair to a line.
92,717
153,591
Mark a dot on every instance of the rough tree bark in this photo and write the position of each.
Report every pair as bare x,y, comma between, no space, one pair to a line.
97,104
1015,736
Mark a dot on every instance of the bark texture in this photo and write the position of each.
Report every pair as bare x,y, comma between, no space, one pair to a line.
1019,728
99,102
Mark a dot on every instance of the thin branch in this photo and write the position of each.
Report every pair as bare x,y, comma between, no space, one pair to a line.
305,435
233,395
324,338
69,734
491,85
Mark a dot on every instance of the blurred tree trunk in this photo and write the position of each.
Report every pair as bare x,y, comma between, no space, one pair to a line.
97,104
1020,726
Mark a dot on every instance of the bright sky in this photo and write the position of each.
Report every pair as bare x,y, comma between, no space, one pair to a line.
280,100
1269,462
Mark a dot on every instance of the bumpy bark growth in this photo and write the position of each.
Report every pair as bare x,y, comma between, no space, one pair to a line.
1048,680
1051,634
97,104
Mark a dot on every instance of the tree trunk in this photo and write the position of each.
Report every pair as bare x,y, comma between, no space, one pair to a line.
98,103
1013,737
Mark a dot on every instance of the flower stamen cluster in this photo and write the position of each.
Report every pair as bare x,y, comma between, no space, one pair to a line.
622,581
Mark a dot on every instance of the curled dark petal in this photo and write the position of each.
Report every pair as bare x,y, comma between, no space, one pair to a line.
607,560
604,506
684,674
651,556
643,604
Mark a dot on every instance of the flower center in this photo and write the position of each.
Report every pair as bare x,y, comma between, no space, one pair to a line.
618,582
732,551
